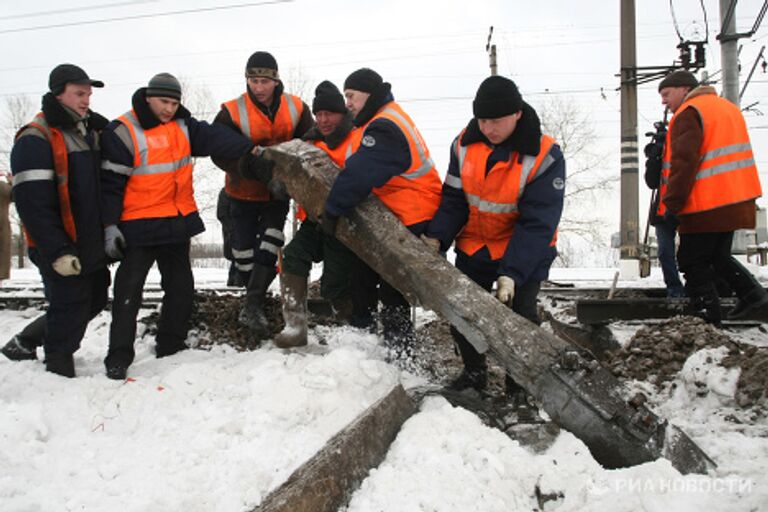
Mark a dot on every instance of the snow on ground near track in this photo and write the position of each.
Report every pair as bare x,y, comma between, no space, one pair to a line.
210,431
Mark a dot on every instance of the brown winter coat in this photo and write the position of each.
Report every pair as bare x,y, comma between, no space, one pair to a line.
686,139
5,230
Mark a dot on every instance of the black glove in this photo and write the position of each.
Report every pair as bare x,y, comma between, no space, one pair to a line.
258,168
670,219
328,223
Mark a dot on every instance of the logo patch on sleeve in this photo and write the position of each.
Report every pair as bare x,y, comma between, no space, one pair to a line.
558,183
368,141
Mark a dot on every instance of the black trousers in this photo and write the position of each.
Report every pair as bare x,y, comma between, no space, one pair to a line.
704,258
257,232
72,302
484,271
367,288
178,293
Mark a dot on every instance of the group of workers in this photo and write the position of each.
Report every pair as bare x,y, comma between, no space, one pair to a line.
91,192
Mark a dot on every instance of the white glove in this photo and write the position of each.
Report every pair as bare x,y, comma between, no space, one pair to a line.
67,265
505,289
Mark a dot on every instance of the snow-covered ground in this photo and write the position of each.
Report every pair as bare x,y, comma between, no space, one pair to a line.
217,430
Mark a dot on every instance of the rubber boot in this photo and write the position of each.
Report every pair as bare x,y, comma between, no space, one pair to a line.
253,315
294,295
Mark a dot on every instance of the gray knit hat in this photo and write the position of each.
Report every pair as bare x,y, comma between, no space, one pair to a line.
164,85
679,78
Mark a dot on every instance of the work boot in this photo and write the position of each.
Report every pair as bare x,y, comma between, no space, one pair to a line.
749,303
705,303
342,310
60,364
17,350
294,296
252,315
23,346
522,403
117,372
165,349
474,378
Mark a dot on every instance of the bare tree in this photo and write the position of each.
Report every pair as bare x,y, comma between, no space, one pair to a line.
298,83
589,179
209,179
17,111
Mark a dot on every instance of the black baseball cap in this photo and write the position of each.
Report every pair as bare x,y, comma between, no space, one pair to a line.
64,74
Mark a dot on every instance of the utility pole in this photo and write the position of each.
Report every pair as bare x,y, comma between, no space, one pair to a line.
629,255
491,49
729,51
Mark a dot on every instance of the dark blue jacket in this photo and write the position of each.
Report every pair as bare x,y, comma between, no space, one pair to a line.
383,154
205,140
36,196
528,255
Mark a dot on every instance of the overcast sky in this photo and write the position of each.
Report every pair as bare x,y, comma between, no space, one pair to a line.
433,52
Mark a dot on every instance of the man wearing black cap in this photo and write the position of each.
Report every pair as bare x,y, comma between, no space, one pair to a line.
267,116
150,213
333,134
390,159
712,186
55,164
502,201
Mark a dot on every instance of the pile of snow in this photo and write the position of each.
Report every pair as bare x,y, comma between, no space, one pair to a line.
219,429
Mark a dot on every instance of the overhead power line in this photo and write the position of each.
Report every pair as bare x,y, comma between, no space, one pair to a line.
73,9
147,15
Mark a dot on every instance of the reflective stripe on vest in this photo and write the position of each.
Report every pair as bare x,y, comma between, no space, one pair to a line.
414,195
61,145
263,132
727,173
493,196
160,182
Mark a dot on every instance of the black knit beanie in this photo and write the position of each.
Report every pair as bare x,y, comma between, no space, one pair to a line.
328,97
364,80
261,64
164,85
496,97
679,78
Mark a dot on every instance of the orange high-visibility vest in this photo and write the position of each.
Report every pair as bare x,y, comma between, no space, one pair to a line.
256,126
493,197
338,156
160,183
60,151
414,195
727,173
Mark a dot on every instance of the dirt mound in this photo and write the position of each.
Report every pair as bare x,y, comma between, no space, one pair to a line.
752,388
658,352
214,317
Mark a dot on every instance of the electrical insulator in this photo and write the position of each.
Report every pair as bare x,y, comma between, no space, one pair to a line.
685,55
701,59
